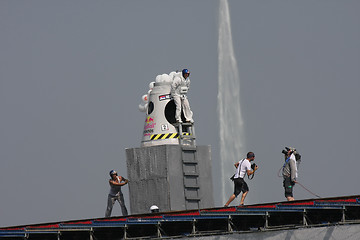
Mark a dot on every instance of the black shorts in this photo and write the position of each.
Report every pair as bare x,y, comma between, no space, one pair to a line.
240,186
288,186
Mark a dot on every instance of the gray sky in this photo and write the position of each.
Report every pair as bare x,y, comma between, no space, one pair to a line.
72,74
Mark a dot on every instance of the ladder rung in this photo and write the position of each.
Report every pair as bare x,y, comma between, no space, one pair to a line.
187,137
188,148
177,124
191,162
192,199
191,174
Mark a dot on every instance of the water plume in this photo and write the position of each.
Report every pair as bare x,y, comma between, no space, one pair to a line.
229,111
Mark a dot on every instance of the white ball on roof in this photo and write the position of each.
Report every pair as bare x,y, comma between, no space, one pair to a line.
154,208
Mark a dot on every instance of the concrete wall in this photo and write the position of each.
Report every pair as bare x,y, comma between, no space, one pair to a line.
156,178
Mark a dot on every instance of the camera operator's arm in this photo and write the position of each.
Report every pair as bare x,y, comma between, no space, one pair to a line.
250,172
122,182
236,165
124,179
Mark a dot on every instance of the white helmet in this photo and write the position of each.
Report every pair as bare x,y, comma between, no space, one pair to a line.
154,208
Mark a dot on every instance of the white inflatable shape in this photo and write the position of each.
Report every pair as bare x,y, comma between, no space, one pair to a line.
145,98
151,85
142,108
158,78
166,78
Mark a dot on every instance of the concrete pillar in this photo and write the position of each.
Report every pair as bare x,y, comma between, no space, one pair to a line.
156,177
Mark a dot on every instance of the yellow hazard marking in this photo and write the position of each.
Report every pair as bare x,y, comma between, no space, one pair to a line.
166,136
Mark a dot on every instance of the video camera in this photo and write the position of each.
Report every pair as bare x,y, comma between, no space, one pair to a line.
253,166
288,149
292,151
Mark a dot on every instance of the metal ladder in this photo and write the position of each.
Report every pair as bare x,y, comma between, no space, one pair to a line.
190,165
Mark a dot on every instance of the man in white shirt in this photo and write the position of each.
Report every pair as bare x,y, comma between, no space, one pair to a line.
243,167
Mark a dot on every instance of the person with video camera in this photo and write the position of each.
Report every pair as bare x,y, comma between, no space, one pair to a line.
243,167
289,171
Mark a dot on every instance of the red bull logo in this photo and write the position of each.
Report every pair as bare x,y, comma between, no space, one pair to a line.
149,126
149,120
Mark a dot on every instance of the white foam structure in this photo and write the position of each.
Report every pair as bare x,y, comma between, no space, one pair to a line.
231,131
168,78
